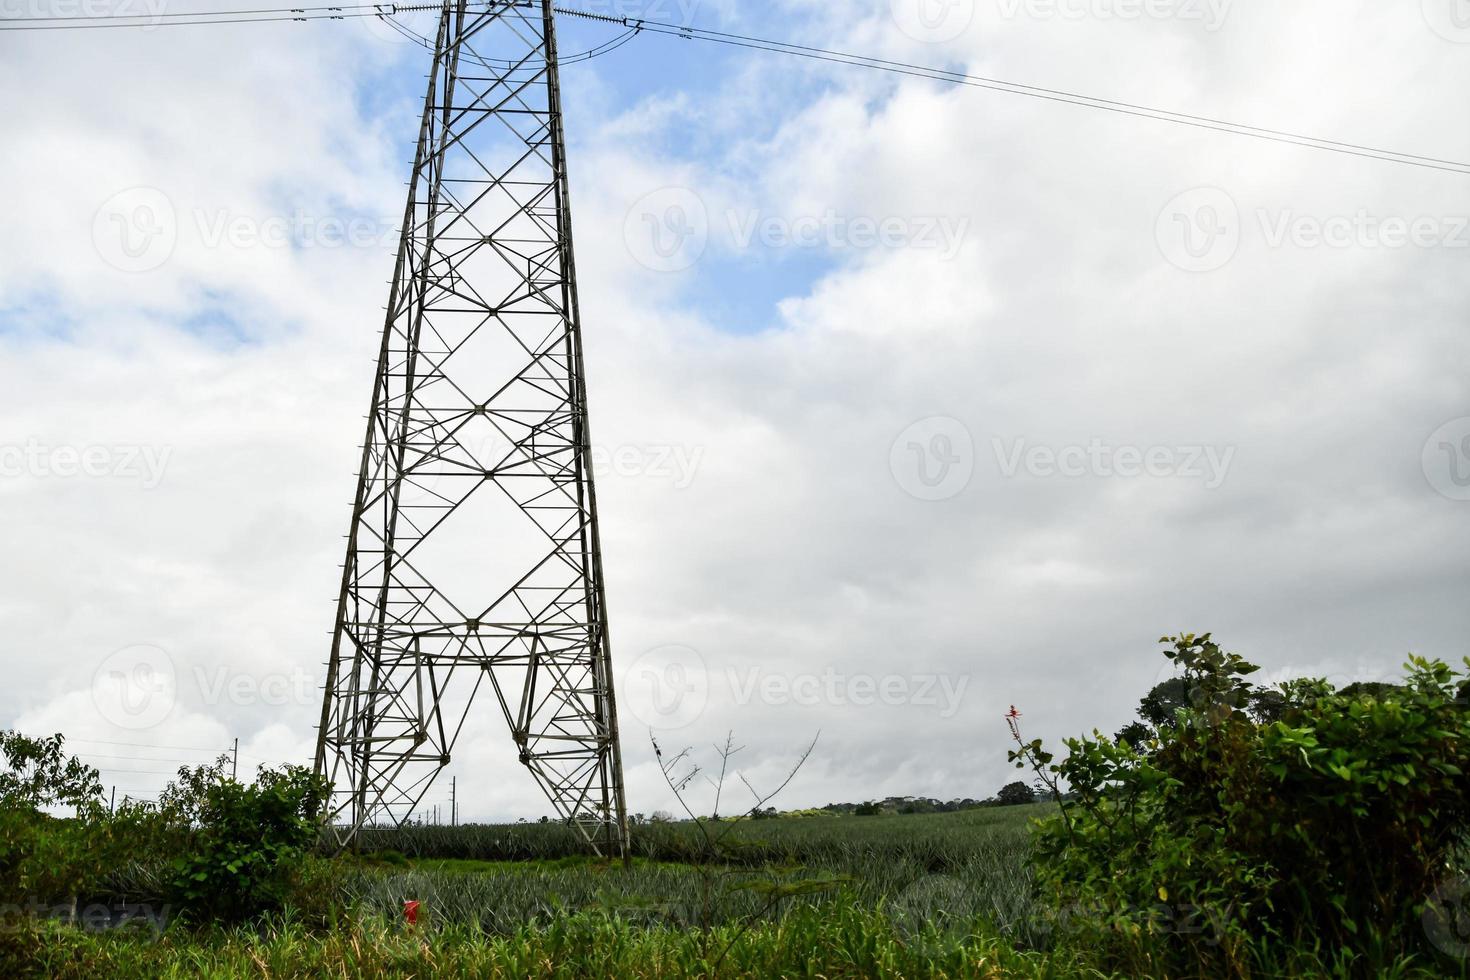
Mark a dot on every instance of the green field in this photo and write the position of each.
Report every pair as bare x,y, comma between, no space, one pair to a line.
500,877
936,894
895,896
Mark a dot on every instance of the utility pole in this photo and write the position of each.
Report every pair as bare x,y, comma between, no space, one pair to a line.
474,561
453,802
235,765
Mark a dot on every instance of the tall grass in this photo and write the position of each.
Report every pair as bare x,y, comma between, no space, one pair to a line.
841,940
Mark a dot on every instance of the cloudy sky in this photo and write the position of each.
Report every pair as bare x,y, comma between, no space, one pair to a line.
911,402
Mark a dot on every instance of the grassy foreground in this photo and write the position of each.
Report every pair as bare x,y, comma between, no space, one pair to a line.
837,940
943,895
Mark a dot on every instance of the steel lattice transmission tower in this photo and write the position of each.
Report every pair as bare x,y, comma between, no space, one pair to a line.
474,571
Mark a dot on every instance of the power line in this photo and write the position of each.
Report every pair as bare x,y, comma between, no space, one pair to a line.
607,47
64,20
84,754
184,23
269,15
385,12
143,745
635,26
1030,91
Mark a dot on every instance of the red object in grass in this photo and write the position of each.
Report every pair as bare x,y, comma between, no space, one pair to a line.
411,911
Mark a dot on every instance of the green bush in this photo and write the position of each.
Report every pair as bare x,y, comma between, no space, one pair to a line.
47,860
247,843
1227,835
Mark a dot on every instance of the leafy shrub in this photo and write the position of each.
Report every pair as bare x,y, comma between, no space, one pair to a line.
247,843
1311,818
38,774
46,859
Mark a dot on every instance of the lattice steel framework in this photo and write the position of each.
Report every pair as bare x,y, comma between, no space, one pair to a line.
473,565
